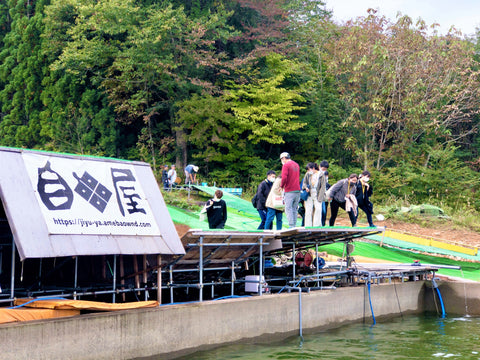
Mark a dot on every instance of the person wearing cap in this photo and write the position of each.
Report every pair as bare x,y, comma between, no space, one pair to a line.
291,187
191,174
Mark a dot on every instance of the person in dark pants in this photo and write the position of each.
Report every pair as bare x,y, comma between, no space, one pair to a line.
275,205
216,211
339,193
324,167
165,177
364,191
262,194
325,203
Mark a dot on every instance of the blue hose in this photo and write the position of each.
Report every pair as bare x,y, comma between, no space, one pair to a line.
435,286
37,299
370,300
441,302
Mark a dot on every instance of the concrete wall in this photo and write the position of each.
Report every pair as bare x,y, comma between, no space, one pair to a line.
179,329
459,298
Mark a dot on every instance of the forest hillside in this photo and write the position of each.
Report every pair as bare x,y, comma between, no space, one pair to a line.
229,85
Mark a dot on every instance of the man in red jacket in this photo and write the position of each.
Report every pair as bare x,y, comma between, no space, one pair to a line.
291,187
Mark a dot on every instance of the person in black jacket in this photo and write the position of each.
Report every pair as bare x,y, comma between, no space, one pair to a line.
165,177
338,195
364,191
263,190
216,211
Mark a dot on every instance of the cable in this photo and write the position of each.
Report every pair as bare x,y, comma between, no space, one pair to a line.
398,300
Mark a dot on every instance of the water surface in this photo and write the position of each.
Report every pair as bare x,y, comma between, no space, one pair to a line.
410,337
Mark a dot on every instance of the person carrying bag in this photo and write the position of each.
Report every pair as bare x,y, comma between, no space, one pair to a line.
275,205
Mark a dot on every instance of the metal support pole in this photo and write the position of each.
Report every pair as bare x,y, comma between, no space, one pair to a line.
201,268
12,280
76,279
300,325
159,279
40,273
260,267
316,265
293,260
349,259
171,282
114,277
145,277
233,279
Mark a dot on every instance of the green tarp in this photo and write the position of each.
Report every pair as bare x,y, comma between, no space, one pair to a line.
243,216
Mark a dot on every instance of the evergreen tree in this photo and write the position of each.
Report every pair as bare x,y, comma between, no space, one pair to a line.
21,72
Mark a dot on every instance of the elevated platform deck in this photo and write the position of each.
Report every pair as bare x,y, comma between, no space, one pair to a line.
221,257
216,247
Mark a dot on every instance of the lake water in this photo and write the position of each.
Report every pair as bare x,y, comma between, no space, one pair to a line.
410,337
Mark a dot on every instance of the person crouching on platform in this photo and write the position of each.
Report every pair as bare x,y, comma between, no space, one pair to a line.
342,194
216,211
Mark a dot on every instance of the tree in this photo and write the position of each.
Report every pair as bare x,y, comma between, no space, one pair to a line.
145,58
402,88
226,128
265,109
311,30
76,116
21,72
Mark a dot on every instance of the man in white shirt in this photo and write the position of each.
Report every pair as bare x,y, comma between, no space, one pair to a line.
172,176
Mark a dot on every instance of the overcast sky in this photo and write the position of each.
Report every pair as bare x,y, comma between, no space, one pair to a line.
464,14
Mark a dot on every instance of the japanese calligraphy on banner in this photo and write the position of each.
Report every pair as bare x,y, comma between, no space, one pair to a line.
82,196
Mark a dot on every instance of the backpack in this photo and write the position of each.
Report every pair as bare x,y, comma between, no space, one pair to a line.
254,201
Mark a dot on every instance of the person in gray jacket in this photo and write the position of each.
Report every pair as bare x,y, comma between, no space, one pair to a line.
314,183
338,194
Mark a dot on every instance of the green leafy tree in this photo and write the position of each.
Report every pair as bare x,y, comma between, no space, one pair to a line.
311,30
76,116
145,58
403,89
265,109
21,72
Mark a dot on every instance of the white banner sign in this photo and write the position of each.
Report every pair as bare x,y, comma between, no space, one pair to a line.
82,196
